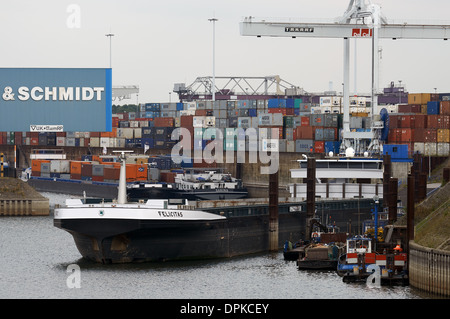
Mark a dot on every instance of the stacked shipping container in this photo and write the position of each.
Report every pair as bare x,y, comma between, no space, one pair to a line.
293,121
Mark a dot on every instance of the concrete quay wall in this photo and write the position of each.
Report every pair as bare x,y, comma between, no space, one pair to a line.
429,269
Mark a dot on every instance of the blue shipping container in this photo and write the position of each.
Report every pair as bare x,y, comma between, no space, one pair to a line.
433,107
396,150
332,146
276,103
290,103
252,113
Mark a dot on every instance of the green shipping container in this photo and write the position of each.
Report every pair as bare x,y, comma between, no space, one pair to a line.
297,103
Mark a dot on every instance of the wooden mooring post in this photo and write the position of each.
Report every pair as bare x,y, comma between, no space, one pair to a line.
310,194
273,211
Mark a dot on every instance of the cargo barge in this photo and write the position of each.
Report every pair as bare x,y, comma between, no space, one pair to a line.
117,231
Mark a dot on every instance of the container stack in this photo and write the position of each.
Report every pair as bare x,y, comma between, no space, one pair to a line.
307,124
423,125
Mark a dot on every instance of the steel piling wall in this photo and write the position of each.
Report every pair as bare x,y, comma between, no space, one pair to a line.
429,269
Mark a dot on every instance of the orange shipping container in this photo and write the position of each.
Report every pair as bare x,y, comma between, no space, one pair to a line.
131,172
419,98
36,164
141,172
443,135
75,167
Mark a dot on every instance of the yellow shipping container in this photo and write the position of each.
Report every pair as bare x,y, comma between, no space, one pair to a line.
142,160
423,109
419,98
443,135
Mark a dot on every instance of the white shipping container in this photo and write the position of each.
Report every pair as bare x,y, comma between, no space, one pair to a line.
336,101
199,121
419,147
393,108
187,112
60,141
326,109
70,141
60,166
443,149
134,124
316,110
362,101
120,142
104,141
336,109
137,133
290,146
270,145
277,119
125,132
210,121
94,141
325,101
81,139
430,149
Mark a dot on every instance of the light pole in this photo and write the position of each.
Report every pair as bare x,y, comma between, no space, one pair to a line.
110,35
213,20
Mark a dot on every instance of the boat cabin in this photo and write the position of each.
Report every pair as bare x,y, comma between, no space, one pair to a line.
359,245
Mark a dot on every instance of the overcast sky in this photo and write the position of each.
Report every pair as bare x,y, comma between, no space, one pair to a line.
159,43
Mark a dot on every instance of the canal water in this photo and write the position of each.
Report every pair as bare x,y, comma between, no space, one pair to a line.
37,261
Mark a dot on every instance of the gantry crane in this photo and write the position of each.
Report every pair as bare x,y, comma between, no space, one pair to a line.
362,19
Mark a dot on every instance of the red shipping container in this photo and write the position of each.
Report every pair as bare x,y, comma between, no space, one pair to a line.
406,135
115,121
304,120
445,108
186,121
404,121
283,111
404,108
34,141
438,121
164,121
418,121
319,146
98,178
394,121
304,133
419,135
430,135
416,108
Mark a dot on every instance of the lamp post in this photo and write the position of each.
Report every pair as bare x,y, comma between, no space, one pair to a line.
110,35
213,20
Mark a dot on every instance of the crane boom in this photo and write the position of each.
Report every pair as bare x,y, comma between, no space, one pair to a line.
264,28
362,19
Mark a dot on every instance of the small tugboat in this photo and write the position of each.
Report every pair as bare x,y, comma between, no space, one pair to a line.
321,256
360,261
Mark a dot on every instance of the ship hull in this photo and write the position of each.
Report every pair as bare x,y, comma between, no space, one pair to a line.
147,240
